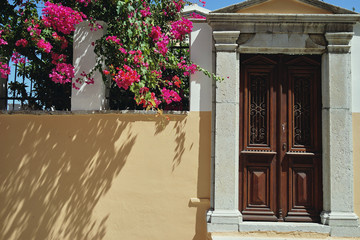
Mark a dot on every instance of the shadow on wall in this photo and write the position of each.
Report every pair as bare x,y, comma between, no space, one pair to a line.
204,176
56,170
67,167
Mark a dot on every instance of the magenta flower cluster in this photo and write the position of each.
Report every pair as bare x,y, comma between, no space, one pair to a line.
125,78
63,73
17,58
21,42
189,69
180,28
2,41
45,46
4,70
62,19
170,96
145,12
85,2
33,29
160,39
113,39
137,68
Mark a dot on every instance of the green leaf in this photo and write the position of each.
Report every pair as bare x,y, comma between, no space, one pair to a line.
119,7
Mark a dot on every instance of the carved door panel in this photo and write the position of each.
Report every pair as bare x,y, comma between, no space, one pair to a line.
280,138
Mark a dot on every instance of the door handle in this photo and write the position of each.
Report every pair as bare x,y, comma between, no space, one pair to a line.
284,146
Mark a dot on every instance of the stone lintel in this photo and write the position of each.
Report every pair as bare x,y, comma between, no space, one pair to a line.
274,50
339,42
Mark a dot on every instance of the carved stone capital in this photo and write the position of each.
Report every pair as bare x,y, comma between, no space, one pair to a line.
339,42
226,40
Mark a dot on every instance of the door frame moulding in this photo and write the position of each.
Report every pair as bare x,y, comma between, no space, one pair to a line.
324,35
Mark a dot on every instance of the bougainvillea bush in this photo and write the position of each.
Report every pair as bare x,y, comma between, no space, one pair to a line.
140,58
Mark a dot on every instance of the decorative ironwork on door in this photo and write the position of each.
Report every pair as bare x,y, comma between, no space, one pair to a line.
258,108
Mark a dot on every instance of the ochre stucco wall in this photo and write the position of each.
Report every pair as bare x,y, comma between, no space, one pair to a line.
284,6
356,136
98,177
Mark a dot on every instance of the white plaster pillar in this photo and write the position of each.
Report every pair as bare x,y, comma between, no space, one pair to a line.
89,96
201,54
226,215
337,136
355,74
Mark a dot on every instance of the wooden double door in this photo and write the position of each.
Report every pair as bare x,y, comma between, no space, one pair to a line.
280,138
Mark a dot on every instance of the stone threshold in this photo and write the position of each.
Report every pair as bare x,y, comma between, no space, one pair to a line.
284,227
286,230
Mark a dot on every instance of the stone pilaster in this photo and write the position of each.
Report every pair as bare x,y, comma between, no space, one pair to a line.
226,216
337,137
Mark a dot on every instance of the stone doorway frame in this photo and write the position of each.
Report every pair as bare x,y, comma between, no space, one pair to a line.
328,35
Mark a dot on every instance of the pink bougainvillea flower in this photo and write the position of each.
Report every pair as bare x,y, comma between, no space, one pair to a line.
158,74
197,16
146,12
56,36
178,5
155,33
33,29
22,42
3,42
170,96
162,45
85,2
202,2
124,79
57,58
123,50
64,42
180,28
160,39
4,70
157,102
188,69
17,58
62,19
113,39
176,81
43,45
63,73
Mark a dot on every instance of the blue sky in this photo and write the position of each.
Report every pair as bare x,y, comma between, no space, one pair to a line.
348,4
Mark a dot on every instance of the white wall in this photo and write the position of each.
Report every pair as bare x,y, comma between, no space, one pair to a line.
89,96
201,54
355,66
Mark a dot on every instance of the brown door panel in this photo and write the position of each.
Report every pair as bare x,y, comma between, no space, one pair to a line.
259,172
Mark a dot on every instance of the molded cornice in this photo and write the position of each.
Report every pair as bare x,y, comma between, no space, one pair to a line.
316,3
282,18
